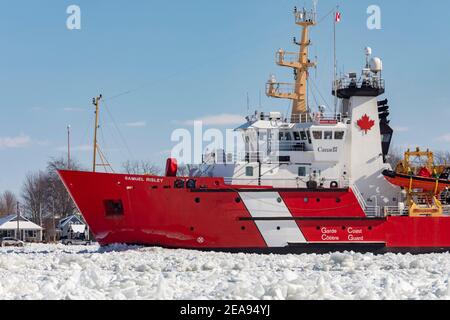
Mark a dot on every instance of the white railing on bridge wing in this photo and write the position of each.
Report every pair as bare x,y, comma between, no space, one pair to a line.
370,211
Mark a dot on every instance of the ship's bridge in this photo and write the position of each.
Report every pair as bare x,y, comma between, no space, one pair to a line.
316,137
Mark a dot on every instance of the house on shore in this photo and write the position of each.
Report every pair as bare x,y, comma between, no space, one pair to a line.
23,229
73,227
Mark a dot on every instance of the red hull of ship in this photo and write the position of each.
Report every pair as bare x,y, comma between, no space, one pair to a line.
213,216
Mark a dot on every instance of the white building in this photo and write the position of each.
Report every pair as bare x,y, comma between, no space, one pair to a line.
73,227
23,229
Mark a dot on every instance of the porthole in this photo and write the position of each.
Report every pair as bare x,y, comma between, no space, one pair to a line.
197,200
278,228
238,200
192,229
279,200
243,228
338,200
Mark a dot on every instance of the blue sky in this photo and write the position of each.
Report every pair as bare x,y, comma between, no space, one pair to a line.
183,60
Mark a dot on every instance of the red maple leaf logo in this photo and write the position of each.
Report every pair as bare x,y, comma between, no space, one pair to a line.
365,123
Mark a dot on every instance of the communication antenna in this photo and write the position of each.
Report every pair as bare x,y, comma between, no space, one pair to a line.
248,103
315,2
68,146
368,52
260,100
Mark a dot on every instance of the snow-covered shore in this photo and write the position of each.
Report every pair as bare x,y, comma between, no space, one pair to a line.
120,272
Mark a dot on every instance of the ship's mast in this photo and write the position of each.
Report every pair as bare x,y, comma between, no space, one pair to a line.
96,103
301,63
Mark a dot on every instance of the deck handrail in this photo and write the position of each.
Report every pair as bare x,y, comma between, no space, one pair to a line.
368,210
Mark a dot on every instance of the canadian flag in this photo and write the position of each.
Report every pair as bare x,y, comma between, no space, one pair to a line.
338,17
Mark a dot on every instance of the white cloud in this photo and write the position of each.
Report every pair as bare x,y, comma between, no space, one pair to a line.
445,138
80,148
136,124
14,142
73,109
217,120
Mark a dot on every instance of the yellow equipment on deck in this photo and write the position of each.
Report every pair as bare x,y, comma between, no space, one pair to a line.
421,204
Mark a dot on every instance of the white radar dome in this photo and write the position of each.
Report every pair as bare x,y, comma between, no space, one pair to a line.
368,51
376,65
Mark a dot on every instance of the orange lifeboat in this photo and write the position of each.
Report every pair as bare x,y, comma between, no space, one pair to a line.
424,180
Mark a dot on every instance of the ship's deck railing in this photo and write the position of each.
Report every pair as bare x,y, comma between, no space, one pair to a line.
370,211
283,57
280,88
271,155
396,211
348,83
302,16
295,118
298,182
317,118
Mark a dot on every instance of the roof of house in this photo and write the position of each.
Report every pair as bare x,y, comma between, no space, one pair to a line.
73,218
10,223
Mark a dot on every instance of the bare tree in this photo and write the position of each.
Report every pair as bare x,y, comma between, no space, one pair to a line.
395,156
8,203
186,170
34,194
45,195
59,200
141,167
442,158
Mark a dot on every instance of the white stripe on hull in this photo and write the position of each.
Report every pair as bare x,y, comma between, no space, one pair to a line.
268,205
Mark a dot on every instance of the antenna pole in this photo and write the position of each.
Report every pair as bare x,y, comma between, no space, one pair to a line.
335,61
248,103
96,103
68,147
18,236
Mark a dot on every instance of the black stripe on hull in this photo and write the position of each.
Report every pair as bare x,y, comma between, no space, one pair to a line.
271,190
316,248
313,219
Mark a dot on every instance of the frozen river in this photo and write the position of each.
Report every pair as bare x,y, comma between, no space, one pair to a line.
120,272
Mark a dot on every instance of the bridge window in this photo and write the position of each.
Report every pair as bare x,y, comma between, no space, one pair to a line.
249,171
303,135
317,135
328,135
297,136
285,136
302,172
339,135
